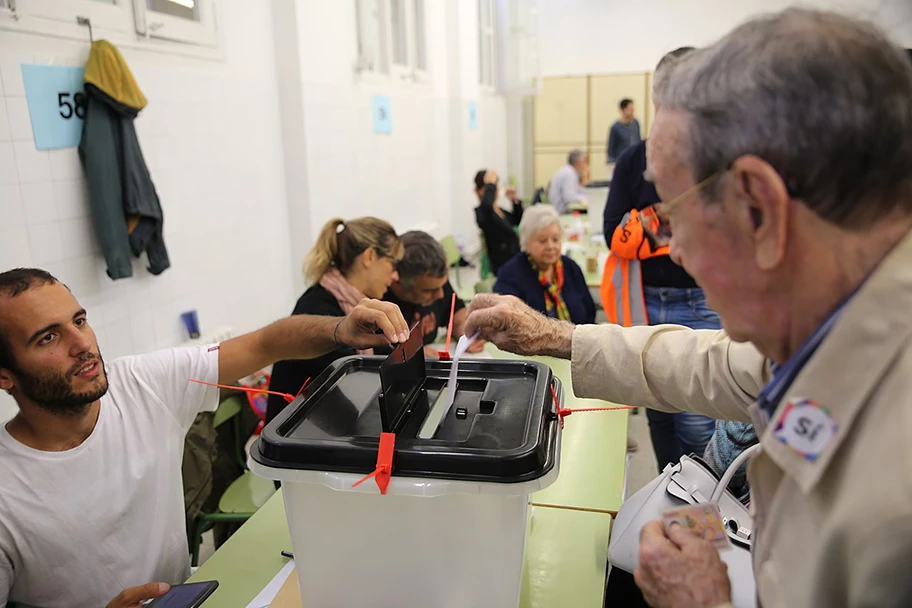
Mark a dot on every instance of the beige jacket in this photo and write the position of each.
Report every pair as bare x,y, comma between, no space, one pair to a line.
832,532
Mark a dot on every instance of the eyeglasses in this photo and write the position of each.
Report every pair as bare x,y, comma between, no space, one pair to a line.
668,206
663,234
396,261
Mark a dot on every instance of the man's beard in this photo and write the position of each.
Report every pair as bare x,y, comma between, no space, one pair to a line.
53,391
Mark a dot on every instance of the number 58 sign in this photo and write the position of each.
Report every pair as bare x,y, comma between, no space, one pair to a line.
68,109
56,103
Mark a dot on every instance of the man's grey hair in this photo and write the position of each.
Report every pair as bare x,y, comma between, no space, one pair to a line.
535,219
665,66
575,156
423,255
824,98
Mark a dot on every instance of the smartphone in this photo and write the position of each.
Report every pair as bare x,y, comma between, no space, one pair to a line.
188,595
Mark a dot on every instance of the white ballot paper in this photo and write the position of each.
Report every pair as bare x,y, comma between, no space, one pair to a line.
437,414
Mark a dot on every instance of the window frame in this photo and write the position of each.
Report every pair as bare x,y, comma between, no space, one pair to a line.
487,33
418,39
372,56
154,24
398,70
116,23
385,66
112,17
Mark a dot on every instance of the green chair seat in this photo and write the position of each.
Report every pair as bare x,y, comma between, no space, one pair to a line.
227,409
246,494
453,255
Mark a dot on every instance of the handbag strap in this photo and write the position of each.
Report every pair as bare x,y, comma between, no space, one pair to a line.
731,470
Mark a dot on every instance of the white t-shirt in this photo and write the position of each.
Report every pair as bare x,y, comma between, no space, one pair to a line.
78,527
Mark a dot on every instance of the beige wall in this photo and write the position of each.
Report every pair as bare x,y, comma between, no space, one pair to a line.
576,112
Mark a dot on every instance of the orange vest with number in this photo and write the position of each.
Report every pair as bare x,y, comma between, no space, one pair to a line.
622,281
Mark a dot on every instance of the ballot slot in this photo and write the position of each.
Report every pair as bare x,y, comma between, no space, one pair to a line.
468,402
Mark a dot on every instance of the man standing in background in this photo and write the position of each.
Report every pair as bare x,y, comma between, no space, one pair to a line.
624,132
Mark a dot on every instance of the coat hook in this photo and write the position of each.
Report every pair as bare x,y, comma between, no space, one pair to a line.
88,22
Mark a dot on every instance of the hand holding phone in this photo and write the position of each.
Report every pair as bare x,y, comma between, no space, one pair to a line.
188,595
137,596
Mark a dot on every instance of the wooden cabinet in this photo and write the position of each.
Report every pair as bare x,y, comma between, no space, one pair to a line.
560,113
577,112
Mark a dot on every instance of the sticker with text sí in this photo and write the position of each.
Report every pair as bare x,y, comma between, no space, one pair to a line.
806,427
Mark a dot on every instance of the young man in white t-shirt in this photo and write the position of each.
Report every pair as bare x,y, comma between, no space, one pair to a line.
91,499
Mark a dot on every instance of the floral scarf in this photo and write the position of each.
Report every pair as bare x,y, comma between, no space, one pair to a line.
555,307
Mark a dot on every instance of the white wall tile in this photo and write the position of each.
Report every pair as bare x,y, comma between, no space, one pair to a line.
11,72
11,209
119,336
81,276
33,164
78,238
45,243
9,174
4,121
14,248
72,198
65,164
113,308
142,328
38,202
20,124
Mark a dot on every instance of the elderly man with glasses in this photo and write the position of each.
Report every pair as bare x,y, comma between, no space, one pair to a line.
784,152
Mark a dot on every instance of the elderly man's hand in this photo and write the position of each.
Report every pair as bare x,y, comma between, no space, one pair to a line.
680,570
476,347
359,328
512,326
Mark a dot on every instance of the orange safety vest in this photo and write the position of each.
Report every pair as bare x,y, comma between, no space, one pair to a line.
622,282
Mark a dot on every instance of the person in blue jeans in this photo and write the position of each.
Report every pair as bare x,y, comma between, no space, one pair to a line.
675,435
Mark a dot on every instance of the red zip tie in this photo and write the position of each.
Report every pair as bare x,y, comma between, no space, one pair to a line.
600,409
450,326
303,386
286,396
384,469
563,412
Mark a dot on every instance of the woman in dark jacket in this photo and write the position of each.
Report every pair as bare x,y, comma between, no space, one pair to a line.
543,278
496,224
350,260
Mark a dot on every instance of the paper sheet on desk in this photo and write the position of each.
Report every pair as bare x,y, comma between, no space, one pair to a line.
270,595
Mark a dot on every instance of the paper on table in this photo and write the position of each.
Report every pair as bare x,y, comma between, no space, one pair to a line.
289,596
264,598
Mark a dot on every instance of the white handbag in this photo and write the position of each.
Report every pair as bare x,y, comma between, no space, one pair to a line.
690,482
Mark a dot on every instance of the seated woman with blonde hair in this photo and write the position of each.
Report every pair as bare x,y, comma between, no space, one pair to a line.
350,261
540,276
